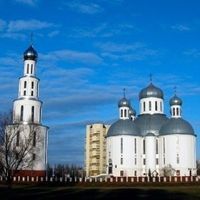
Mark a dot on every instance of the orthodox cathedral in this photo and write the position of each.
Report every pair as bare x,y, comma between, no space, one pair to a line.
30,135
151,144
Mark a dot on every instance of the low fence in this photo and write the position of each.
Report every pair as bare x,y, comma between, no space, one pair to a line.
65,180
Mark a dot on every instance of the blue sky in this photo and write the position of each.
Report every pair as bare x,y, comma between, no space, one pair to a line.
89,50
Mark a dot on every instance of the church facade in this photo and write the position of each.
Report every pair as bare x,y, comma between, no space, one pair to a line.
151,144
30,135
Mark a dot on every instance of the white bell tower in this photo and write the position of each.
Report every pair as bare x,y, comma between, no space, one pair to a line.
27,110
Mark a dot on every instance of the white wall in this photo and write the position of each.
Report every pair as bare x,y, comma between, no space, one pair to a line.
114,153
182,146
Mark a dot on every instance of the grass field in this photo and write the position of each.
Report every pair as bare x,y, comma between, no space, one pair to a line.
137,192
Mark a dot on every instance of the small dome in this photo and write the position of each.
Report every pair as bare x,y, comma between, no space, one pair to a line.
30,54
151,91
175,101
123,127
132,111
150,123
123,102
177,126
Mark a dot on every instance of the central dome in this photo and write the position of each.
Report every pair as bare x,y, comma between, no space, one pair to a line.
123,127
151,91
150,123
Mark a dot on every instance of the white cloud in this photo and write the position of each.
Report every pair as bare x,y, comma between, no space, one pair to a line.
28,2
69,55
192,52
86,8
180,27
21,25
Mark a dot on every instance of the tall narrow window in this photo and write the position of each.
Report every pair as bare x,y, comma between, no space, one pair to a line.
34,139
32,113
22,113
31,68
177,112
125,113
17,138
32,84
161,107
121,113
135,161
144,161
25,83
163,145
135,145
24,92
144,149
121,161
156,105
27,68
149,105
156,146
173,111
144,106
121,145
32,93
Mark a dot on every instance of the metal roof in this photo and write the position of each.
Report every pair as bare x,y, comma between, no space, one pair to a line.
175,101
123,127
30,53
177,126
151,91
148,123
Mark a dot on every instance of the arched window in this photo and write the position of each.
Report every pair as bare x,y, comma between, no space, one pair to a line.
27,68
31,68
121,145
32,84
32,113
149,105
173,111
144,148
125,113
17,138
34,139
156,105
121,113
156,146
164,145
135,145
22,113
32,93
177,111
25,83
144,106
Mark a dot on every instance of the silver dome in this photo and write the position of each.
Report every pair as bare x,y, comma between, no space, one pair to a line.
151,91
30,54
177,126
175,101
123,127
150,123
123,102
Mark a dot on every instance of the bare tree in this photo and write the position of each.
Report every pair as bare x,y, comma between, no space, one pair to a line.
168,170
16,147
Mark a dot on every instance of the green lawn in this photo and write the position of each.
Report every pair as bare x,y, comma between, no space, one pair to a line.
70,193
